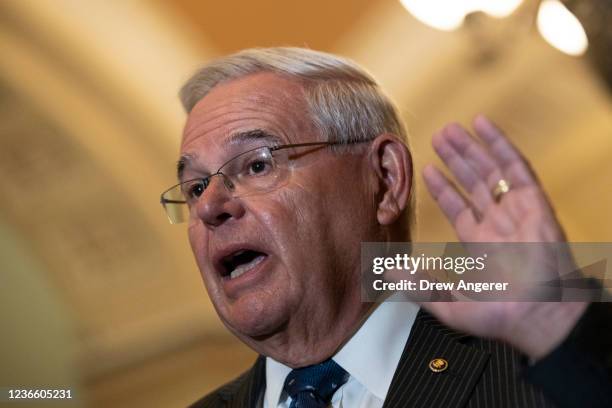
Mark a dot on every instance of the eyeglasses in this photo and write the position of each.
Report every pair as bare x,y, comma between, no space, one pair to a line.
257,170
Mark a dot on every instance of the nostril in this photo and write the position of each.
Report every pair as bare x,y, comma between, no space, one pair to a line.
223,217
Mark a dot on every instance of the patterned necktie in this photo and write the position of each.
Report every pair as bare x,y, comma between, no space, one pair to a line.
313,386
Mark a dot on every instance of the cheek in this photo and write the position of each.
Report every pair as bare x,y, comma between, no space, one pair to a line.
199,247
300,206
290,220
344,210
307,226
279,216
196,239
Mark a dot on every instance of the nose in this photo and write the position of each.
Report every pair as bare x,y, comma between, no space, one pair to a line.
217,205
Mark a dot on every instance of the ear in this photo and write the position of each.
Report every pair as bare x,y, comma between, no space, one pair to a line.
391,162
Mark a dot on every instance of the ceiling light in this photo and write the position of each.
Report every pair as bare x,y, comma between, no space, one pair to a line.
560,28
449,14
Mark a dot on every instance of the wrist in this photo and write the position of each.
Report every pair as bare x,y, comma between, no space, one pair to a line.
543,327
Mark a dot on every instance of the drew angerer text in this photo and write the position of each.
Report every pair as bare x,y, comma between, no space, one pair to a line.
424,284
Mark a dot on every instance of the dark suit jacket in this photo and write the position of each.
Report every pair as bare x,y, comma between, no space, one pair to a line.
480,373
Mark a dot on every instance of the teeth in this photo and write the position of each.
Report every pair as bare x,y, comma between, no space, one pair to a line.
245,267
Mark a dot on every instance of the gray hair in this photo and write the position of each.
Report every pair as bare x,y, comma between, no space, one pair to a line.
345,102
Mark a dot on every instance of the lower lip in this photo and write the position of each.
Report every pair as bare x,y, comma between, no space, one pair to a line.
246,280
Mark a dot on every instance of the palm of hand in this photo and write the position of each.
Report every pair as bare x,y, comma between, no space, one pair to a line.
521,215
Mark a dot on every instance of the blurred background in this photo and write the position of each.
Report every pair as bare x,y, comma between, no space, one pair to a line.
100,293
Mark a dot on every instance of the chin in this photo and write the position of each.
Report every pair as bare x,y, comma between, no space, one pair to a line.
253,317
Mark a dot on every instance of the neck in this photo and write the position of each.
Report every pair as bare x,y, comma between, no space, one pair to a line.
307,341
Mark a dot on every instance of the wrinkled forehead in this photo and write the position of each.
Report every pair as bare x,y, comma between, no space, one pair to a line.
264,101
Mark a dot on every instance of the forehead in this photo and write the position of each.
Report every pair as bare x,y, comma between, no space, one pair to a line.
264,101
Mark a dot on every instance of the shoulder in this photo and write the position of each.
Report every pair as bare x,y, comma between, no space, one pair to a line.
479,371
244,387
223,394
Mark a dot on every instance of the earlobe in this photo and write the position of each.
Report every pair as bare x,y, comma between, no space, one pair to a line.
392,165
388,213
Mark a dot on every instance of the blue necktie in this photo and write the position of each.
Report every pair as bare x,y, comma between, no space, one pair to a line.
314,386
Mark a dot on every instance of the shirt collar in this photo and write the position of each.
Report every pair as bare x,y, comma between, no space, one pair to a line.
371,356
275,380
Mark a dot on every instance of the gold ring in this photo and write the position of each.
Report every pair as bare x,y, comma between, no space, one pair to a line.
501,188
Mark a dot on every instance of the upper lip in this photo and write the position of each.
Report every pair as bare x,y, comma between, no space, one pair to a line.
221,254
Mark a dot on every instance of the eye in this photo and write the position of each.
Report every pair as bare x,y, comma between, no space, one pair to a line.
259,167
194,189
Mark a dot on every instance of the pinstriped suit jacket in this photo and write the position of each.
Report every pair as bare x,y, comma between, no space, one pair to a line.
481,373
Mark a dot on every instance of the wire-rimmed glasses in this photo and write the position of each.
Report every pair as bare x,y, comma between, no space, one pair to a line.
257,170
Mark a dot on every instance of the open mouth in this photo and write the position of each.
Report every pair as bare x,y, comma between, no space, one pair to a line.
239,262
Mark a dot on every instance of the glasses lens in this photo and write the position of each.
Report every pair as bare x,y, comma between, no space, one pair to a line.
253,172
173,201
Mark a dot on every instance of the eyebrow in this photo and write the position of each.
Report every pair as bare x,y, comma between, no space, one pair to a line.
236,138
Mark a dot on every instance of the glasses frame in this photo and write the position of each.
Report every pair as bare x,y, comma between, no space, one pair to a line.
206,180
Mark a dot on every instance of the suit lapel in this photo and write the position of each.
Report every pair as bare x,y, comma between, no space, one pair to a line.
415,384
249,391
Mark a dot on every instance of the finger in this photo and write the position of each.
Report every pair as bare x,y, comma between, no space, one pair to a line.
467,176
513,164
477,157
452,204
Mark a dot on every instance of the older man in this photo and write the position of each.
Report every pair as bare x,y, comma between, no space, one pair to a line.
290,159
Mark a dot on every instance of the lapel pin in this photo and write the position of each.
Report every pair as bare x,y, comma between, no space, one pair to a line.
437,365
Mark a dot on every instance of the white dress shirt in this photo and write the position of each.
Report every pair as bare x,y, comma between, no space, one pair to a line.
370,357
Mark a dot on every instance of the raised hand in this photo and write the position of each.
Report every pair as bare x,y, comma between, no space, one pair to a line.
523,214
502,201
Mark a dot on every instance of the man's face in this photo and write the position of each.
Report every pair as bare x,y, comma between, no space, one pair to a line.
300,242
